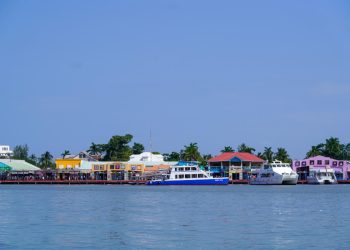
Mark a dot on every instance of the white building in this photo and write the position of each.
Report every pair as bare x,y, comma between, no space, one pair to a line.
5,151
147,157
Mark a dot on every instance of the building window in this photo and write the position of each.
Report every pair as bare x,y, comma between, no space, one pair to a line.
319,162
341,163
326,162
335,163
297,163
111,166
303,163
312,162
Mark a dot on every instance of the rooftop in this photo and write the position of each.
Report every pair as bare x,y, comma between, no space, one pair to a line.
242,156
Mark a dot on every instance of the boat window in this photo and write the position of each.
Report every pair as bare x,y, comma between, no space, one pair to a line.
187,169
176,176
194,168
175,169
266,167
200,175
181,169
194,175
187,176
181,176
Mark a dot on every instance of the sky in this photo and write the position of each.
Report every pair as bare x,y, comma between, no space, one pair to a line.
219,73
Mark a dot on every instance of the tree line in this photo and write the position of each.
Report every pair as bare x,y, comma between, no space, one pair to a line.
119,148
44,161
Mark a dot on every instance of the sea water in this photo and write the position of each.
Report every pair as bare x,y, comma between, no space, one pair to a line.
176,217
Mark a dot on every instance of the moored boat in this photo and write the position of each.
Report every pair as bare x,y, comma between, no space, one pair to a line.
276,173
188,175
322,176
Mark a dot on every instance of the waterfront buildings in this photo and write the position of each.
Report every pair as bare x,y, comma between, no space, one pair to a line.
18,169
235,165
84,166
303,167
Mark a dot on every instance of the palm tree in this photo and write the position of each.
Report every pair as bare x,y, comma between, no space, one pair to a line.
268,154
95,149
227,149
46,160
65,153
33,159
346,152
245,148
260,155
282,155
315,151
191,153
333,148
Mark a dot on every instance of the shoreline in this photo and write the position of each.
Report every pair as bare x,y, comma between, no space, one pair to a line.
117,182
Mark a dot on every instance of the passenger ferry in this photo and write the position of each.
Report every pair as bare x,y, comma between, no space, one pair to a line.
276,173
322,176
188,175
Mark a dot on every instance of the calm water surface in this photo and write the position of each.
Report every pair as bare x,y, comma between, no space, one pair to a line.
195,217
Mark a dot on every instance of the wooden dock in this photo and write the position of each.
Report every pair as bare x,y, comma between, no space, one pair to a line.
116,182
74,182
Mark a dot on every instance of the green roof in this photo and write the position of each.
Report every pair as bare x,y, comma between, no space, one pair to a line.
18,165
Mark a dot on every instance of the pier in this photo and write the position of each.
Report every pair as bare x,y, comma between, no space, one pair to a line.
75,182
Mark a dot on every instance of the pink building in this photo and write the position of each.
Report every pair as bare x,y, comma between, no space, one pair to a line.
341,167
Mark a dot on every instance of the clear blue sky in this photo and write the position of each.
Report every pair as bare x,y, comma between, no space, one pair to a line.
267,73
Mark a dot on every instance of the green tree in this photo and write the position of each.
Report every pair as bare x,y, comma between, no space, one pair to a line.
96,149
333,148
204,159
245,148
315,151
173,156
346,152
20,152
46,160
191,153
282,155
33,159
268,154
117,149
260,155
137,148
65,153
227,149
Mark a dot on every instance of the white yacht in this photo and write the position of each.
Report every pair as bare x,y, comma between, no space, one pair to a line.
276,173
187,175
322,176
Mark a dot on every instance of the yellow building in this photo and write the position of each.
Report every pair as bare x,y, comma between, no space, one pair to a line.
116,170
68,163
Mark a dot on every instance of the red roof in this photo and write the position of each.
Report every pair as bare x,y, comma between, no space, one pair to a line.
241,155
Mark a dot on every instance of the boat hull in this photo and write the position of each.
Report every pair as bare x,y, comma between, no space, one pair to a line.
314,180
277,180
213,181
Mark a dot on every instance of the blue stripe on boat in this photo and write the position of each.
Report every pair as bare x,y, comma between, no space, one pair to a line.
214,181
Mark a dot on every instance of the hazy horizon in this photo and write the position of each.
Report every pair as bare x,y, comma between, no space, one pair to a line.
266,73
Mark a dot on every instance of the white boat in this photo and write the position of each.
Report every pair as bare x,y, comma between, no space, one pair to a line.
322,176
276,173
188,175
